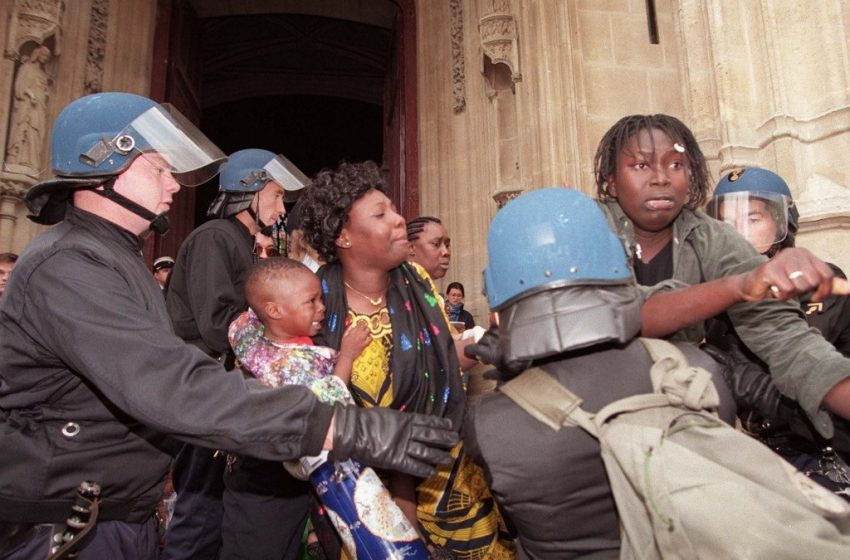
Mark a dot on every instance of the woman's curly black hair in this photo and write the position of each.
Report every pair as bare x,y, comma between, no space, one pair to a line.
329,199
618,136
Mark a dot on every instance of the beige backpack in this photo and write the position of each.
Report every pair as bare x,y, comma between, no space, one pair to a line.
686,484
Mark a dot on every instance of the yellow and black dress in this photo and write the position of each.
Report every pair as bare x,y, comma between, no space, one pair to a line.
411,365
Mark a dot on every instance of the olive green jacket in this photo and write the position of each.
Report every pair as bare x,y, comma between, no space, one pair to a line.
803,364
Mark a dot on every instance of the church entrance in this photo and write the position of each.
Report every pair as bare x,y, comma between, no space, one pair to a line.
319,82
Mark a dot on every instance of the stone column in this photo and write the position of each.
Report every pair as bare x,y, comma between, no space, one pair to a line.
769,85
11,196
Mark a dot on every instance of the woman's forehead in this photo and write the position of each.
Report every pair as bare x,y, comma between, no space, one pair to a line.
371,199
434,229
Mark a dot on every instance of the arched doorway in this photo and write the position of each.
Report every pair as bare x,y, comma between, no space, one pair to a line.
317,81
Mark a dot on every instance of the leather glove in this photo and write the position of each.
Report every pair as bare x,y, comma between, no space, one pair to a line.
751,385
488,351
388,439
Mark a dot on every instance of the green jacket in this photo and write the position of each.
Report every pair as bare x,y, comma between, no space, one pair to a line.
803,365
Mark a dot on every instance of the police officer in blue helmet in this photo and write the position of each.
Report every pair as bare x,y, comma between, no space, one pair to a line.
97,138
206,292
565,300
758,204
95,386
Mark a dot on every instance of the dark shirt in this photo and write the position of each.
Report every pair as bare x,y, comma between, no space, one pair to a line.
206,290
657,270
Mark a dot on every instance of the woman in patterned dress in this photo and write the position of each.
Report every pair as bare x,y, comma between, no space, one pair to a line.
411,363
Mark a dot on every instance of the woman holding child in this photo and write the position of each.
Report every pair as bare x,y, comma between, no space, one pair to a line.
410,363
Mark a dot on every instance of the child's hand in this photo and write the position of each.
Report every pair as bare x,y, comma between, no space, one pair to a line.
354,340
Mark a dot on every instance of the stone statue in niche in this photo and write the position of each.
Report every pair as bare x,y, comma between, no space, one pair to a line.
29,111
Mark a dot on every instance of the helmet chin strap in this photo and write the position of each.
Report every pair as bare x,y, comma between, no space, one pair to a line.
261,226
158,222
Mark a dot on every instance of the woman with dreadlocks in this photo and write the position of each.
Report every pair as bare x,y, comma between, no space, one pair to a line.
411,362
651,179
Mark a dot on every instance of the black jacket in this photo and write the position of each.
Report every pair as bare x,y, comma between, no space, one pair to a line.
94,380
206,290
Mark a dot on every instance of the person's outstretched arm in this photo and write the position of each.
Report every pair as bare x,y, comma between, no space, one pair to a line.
790,273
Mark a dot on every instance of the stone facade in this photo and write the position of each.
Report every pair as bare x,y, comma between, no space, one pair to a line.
97,45
515,94
761,82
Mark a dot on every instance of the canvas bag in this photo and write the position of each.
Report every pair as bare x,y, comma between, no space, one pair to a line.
686,484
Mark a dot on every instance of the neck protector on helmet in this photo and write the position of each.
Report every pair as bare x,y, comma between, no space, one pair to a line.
568,318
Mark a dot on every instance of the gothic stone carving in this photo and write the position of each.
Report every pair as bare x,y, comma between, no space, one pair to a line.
34,21
503,197
96,46
458,64
14,185
29,112
499,37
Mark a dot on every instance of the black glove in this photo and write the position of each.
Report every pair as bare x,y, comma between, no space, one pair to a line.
389,439
488,351
751,385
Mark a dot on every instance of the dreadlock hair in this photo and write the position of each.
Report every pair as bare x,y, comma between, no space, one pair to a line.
328,202
617,139
416,225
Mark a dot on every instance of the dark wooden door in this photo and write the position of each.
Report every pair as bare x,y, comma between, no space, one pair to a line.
401,143
176,79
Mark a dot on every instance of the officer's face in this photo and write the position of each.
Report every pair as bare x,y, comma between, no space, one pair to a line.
148,182
752,220
270,203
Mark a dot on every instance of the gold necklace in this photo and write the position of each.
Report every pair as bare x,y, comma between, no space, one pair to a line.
374,302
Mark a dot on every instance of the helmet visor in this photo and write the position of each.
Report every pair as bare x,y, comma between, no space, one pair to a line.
761,217
284,173
192,157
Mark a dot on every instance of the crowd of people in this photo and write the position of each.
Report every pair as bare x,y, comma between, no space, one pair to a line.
209,371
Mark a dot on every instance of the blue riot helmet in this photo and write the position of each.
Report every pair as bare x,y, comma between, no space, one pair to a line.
758,204
558,276
245,174
96,137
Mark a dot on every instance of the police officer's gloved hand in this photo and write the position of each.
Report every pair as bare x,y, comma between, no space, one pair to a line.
389,439
751,385
488,351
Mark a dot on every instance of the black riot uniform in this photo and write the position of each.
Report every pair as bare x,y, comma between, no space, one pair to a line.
93,380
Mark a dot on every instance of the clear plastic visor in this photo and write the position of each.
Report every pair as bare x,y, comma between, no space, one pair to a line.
284,173
761,217
192,157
